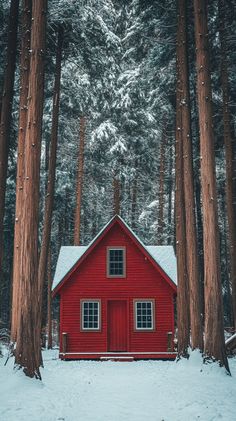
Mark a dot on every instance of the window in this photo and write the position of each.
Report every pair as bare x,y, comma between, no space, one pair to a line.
90,315
116,262
144,315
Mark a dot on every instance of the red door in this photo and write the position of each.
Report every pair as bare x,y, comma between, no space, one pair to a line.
117,326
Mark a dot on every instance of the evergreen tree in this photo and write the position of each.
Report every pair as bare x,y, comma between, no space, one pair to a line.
28,346
214,334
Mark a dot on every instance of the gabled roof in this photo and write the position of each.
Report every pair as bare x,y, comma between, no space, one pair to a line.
163,257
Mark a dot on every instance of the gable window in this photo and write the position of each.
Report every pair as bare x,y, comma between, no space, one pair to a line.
90,315
144,314
116,265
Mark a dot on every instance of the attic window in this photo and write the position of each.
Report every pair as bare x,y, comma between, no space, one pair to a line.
116,265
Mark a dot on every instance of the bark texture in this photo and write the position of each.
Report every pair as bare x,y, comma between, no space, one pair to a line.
28,347
229,156
214,348
189,200
134,202
24,81
160,217
170,193
6,110
46,234
182,298
49,301
79,188
116,196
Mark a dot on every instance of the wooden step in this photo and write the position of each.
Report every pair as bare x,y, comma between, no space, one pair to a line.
117,358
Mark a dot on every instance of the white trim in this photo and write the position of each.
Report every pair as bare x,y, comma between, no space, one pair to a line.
118,353
114,357
82,315
136,315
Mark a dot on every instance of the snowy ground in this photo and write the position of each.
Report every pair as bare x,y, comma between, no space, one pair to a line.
119,391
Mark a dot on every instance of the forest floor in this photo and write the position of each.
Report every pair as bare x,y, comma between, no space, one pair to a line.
119,391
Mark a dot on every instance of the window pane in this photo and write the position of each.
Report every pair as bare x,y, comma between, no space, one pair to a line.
90,316
144,315
116,262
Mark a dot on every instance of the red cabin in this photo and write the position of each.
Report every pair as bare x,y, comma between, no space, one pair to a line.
116,297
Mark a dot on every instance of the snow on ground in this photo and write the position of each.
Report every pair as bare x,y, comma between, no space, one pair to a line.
119,391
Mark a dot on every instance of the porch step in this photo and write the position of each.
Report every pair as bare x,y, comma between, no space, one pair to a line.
117,358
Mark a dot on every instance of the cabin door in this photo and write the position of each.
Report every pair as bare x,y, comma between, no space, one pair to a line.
117,325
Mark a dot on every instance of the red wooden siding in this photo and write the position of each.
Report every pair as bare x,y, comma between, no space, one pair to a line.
142,281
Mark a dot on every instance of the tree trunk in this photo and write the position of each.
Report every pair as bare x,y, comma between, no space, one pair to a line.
160,217
24,81
182,298
116,196
200,240
46,235
228,141
170,192
134,202
28,347
189,201
49,306
66,225
214,348
233,135
94,216
6,110
80,176
224,249
198,206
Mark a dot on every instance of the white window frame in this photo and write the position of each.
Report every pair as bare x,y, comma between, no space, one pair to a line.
90,329
148,329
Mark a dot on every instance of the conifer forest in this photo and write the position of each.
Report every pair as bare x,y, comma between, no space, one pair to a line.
118,107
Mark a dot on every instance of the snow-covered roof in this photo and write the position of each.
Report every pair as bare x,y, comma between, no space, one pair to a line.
67,258
70,255
165,257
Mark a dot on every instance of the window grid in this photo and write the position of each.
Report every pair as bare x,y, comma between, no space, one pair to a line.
90,315
144,315
116,262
